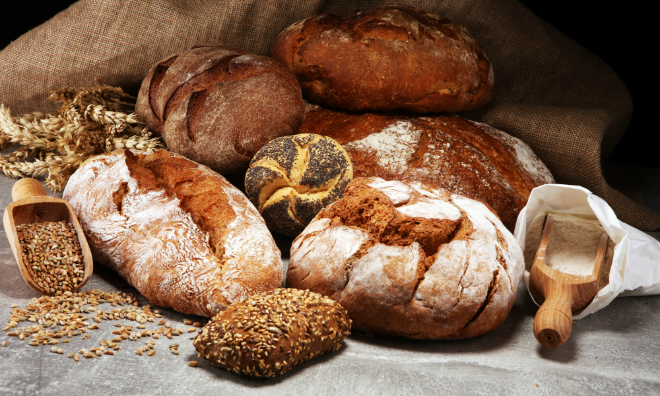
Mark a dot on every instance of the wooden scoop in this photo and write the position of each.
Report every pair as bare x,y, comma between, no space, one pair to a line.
559,293
32,205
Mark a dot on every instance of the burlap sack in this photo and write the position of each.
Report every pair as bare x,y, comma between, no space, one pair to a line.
563,101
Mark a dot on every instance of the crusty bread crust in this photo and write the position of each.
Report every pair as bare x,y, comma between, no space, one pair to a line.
175,230
462,156
408,259
270,333
218,105
386,58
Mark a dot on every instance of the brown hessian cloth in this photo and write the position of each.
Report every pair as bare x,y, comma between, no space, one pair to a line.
563,101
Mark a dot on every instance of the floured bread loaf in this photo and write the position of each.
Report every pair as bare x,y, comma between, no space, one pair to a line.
408,259
175,230
462,156
293,177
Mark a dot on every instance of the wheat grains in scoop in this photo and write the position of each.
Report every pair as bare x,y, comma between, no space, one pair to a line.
271,332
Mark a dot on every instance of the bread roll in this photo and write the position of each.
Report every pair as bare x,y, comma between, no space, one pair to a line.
386,58
271,332
293,177
408,259
218,106
462,156
175,230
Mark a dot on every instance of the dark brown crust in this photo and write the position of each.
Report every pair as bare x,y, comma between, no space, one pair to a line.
475,164
385,58
301,164
297,326
218,105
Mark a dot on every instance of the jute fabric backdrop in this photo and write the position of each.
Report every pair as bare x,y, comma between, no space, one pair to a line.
563,101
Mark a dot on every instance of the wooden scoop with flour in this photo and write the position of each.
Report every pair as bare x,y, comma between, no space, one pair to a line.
32,205
560,293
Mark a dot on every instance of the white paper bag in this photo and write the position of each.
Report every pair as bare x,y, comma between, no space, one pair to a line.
635,267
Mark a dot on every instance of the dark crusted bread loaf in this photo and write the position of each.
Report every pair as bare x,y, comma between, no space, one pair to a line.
408,259
218,106
462,156
385,58
175,230
293,177
271,332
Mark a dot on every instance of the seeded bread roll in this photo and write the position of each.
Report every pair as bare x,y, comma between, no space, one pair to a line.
293,177
386,58
218,105
175,230
271,332
409,259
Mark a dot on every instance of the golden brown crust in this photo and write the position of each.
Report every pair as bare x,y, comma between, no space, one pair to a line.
408,259
218,105
270,333
385,58
180,233
462,156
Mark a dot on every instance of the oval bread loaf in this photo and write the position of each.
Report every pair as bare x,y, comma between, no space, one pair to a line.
218,105
270,333
175,230
462,156
408,259
293,177
386,58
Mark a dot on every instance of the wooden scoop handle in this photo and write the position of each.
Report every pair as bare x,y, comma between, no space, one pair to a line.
27,187
554,320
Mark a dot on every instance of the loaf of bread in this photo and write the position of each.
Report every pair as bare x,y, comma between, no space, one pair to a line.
218,106
409,259
462,156
386,58
271,332
175,230
293,177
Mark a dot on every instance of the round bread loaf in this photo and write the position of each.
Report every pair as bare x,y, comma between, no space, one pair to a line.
293,177
218,106
407,259
462,156
175,230
271,332
386,58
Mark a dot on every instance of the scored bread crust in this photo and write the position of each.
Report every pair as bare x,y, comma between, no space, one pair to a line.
175,230
408,259
462,156
386,58
218,105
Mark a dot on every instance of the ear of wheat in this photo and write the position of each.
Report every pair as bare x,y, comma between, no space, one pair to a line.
91,121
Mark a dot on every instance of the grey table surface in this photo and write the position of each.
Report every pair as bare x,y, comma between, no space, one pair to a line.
614,351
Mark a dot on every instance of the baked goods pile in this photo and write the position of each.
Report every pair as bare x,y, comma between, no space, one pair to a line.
416,246
410,260
293,177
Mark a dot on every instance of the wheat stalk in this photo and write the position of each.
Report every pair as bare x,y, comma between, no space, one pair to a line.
91,121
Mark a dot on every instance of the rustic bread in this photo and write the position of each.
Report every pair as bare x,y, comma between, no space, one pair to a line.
218,106
386,58
462,156
408,259
293,177
271,332
175,230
